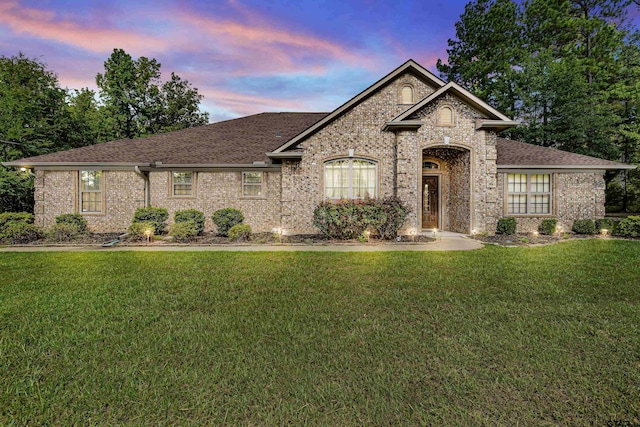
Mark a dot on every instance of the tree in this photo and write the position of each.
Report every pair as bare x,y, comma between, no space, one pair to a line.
136,104
33,120
569,71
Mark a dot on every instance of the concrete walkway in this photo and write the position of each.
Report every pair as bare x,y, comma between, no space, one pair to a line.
445,242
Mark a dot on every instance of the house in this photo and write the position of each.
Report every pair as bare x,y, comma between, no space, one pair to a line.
411,135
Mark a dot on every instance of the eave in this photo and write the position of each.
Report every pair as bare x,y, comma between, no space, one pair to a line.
404,125
496,125
515,168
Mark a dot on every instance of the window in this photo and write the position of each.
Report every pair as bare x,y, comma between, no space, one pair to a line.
350,179
252,184
528,194
182,184
446,116
430,165
91,191
406,94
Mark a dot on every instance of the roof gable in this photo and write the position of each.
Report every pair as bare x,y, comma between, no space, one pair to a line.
409,66
461,93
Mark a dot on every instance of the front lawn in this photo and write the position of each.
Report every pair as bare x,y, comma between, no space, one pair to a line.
501,336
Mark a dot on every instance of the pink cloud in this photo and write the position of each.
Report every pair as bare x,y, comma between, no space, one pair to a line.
244,104
44,24
257,45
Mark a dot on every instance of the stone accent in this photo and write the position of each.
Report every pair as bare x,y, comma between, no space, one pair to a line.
58,194
577,195
218,190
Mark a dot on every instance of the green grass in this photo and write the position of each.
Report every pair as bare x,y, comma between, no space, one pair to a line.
500,336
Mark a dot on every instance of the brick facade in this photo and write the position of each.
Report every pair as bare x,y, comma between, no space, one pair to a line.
471,187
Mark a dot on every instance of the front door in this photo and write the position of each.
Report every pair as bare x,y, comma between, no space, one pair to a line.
430,202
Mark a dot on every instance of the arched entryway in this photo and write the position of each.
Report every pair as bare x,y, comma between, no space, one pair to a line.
446,189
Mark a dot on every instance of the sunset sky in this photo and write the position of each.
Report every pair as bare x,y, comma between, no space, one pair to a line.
245,57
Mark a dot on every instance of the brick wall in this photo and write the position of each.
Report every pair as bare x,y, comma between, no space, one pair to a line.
218,190
56,193
577,196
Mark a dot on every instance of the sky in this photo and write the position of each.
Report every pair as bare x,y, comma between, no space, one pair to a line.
244,56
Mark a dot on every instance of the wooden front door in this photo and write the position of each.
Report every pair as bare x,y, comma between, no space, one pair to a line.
430,202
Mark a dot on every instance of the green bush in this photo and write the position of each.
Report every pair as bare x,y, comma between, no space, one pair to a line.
64,232
628,227
606,224
157,216
506,226
184,231
20,232
226,218
137,230
240,232
584,226
10,217
74,219
192,215
349,219
548,226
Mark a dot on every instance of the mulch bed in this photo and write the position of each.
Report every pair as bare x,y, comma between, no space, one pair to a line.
530,239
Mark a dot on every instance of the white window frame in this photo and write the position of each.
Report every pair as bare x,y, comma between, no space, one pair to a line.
82,192
530,193
173,184
350,192
246,185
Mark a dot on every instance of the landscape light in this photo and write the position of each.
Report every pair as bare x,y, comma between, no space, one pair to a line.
604,232
535,233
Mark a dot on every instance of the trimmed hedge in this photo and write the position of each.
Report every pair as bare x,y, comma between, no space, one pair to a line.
628,227
193,215
184,231
226,218
64,232
73,219
548,226
584,226
137,230
9,217
507,226
349,219
156,216
20,232
240,232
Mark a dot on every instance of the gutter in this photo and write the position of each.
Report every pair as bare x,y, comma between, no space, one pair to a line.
592,167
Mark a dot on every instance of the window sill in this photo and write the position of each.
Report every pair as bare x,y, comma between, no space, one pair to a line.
92,213
531,215
182,197
252,198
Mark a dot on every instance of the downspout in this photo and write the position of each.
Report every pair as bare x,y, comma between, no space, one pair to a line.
145,176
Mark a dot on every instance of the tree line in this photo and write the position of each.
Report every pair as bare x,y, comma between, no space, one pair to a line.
568,70
38,116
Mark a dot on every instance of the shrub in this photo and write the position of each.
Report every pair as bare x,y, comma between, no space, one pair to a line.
9,217
157,216
184,231
606,224
506,226
226,218
137,230
20,232
349,219
74,219
192,215
64,232
584,226
240,232
548,226
628,227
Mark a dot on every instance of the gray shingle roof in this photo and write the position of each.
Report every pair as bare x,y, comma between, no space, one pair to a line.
238,141
522,154
246,140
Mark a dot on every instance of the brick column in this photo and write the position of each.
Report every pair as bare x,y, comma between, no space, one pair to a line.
407,185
